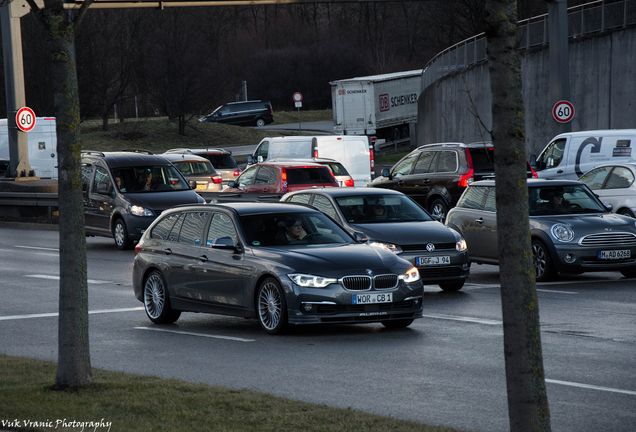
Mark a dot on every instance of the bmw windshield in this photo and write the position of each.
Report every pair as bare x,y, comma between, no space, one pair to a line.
289,229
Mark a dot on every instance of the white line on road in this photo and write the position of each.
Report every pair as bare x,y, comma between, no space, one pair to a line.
557,292
464,319
54,314
196,334
93,281
592,387
39,248
484,286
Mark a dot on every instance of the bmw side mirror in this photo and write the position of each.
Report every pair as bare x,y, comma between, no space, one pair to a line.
360,236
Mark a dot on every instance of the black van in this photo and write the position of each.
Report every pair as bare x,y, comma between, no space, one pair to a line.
246,113
124,192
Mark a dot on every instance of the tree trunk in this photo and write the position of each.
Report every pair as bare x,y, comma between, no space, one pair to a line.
527,399
74,366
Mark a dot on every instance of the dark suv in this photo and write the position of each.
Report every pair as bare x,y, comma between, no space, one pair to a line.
125,191
436,175
246,113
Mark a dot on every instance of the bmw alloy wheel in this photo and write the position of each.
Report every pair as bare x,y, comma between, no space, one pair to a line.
272,310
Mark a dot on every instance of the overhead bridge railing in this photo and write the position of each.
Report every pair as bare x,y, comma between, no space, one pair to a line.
586,19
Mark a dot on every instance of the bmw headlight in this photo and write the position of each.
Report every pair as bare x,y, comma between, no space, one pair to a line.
140,211
562,232
388,246
461,245
411,275
311,281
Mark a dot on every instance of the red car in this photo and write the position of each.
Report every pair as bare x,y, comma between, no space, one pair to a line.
282,177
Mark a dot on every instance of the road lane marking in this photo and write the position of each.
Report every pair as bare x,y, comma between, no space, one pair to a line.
464,319
484,286
93,281
54,314
592,387
39,248
237,339
557,292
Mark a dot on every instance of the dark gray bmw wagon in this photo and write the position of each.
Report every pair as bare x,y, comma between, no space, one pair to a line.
280,263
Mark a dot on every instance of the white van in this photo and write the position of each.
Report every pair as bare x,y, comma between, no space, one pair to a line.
353,151
42,146
570,155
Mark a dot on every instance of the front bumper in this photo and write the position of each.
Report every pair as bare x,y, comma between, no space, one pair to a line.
573,258
334,304
457,270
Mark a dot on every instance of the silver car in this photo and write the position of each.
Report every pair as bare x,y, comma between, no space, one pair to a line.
614,184
572,231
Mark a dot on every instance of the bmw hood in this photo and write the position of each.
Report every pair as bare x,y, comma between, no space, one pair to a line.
332,260
408,233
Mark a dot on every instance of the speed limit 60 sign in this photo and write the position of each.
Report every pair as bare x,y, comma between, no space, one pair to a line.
563,111
25,119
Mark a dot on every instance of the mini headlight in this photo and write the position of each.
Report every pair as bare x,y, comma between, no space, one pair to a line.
562,232
140,211
388,246
311,281
461,245
411,275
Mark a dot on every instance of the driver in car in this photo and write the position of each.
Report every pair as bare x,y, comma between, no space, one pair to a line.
293,232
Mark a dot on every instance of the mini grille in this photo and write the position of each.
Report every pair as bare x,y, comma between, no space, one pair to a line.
609,239
362,283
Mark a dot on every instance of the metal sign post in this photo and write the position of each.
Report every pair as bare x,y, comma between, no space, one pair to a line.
298,101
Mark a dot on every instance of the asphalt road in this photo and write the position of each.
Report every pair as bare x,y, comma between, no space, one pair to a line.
446,369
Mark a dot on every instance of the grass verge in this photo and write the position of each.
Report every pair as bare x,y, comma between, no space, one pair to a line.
140,403
159,134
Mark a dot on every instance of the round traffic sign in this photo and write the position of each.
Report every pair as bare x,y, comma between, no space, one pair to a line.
25,119
298,97
563,111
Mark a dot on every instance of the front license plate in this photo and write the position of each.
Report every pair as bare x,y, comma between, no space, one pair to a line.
372,298
202,186
614,254
432,261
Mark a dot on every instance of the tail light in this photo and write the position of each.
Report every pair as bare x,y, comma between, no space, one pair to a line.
315,152
349,183
137,249
371,147
216,179
467,178
237,173
283,178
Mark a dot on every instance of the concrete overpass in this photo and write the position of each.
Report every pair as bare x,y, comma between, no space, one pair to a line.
456,96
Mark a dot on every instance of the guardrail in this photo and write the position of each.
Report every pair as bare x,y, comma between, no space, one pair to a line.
392,145
594,17
30,199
